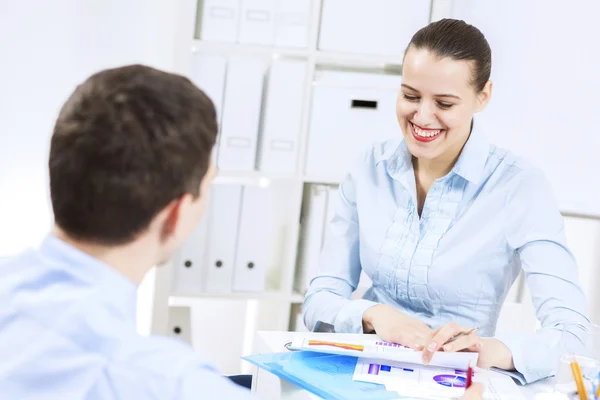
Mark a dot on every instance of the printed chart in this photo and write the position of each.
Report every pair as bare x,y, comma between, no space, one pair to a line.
432,382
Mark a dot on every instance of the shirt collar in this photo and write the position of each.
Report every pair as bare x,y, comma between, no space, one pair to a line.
470,164
114,288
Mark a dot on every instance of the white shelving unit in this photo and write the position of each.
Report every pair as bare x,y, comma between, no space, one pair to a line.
277,306
270,309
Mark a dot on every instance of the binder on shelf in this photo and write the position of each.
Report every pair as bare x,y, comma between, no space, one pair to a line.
257,22
283,116
291,23
241,114
208,73
190,262
180,324
220,20
256,240
385,26
353,108
221,247
313,227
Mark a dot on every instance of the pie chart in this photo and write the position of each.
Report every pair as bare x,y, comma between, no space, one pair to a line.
451,381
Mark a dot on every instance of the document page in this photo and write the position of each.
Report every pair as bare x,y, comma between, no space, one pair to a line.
426,382
380,350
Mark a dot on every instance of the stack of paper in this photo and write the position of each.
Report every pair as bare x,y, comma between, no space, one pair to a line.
372,369
377,349
336,377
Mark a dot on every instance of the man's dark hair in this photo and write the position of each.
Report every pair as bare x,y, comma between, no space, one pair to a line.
460,41
127,142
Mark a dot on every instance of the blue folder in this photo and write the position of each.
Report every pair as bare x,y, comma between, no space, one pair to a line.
326,375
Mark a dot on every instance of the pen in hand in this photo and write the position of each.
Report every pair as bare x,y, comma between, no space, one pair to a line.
459,335
443,335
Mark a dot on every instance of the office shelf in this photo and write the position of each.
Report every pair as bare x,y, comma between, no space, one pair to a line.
276,308
346,60
350,60
191,299
254,178
322,179
233,49
297,298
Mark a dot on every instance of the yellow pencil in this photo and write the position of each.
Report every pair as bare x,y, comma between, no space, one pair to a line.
578,380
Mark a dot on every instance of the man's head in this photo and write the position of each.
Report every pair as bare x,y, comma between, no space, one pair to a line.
130,157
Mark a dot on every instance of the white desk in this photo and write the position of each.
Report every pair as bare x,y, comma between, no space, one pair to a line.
269,387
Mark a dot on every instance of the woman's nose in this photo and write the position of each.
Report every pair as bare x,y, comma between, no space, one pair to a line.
425,113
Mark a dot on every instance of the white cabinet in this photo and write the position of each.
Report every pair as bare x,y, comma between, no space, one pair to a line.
382,27
349,112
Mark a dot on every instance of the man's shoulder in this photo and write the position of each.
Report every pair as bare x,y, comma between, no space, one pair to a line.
158,355
170,367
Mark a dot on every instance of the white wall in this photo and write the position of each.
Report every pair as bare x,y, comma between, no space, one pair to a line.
546,82
47,47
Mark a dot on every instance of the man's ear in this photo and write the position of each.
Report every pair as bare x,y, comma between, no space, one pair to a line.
171,217
484,96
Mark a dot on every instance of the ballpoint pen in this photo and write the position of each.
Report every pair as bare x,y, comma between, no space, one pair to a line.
459,335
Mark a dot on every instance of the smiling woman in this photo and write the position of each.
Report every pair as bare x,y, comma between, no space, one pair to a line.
442,222
444,85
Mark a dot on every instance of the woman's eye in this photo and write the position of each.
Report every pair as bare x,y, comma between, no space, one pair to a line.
441,104
410,98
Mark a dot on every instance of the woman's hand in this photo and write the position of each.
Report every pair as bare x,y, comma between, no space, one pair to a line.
394,326
492,352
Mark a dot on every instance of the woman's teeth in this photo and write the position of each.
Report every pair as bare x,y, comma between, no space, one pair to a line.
426,133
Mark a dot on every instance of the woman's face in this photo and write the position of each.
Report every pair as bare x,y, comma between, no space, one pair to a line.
436,104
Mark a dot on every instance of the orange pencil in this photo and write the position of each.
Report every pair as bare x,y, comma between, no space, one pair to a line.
578,380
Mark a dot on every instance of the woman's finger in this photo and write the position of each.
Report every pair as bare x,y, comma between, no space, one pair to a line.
410,340
444,334
463,343
426,331
477,347
421,341
416,344
435,331
414,336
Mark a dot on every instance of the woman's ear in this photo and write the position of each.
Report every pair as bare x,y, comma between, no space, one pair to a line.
484,97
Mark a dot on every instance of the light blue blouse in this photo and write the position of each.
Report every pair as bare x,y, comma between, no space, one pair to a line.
492,215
